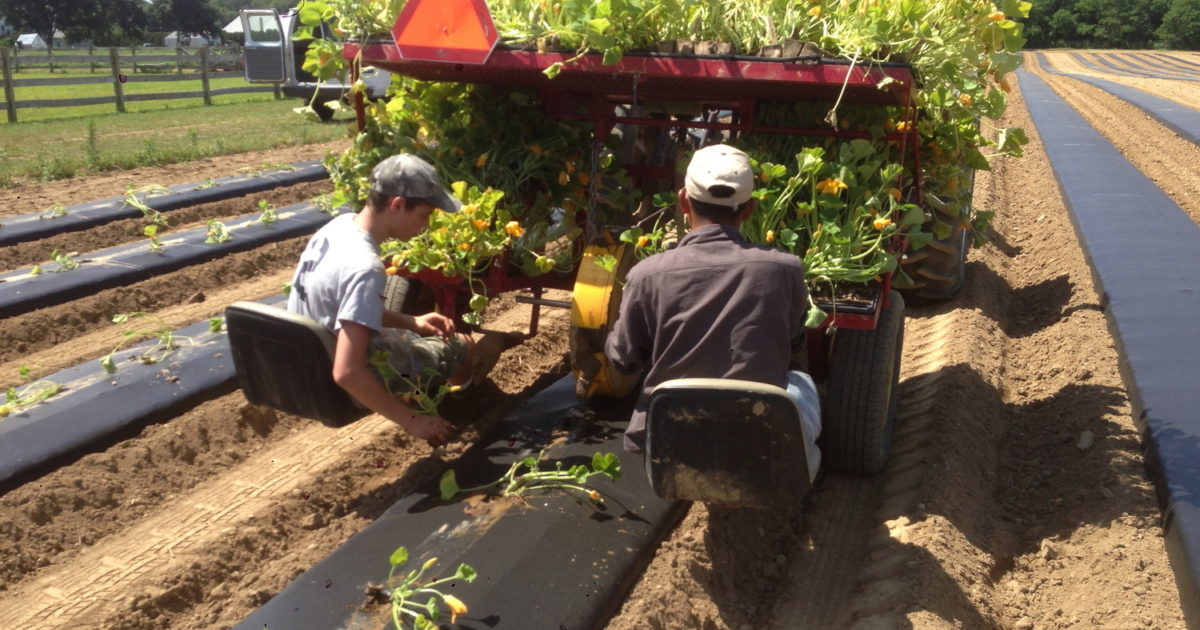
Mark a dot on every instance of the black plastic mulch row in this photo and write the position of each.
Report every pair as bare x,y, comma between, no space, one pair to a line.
558,562
1153,61
1145,254
84,216
1181,119
1183,64
22,291
95,404
1111,66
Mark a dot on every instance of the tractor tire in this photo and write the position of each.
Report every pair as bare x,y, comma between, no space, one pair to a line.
406,295
939,269
861,395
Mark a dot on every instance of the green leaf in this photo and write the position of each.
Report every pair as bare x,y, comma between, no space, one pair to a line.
917,240
478,303
216,324
448,486
399,557
466,573
433,609
631,235
612,56
815,317
107,363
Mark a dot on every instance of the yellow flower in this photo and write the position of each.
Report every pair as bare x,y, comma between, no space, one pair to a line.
881,223
643,241
481,160
466,247
895,193
815,11
456,607
594,495
831,186
770,236
902,126
479,224
391,271
563,178
514,229
996,16
966,100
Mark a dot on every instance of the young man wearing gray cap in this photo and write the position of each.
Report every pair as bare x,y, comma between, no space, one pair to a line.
714,306
340,283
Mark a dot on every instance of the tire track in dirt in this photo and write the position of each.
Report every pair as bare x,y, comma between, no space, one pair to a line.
1164,157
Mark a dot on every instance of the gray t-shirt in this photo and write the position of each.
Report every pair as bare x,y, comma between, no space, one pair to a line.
340,277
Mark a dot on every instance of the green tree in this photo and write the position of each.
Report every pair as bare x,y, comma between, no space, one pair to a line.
110,23
185,16
43,17
1180,28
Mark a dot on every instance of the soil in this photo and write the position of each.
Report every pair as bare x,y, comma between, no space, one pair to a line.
1016,498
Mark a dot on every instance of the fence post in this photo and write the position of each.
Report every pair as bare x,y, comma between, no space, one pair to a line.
178,60
133,54
115,59
91,62
50,56
204,75
10,100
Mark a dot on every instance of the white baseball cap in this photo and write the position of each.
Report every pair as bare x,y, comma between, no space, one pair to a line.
721,175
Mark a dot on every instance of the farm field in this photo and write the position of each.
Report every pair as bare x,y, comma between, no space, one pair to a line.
1016,499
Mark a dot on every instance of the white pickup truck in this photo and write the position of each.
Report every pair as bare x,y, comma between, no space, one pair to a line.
272,56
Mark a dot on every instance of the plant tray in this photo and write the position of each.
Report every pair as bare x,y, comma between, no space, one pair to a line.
662,75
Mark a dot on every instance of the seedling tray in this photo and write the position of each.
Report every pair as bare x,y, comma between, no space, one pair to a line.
28,227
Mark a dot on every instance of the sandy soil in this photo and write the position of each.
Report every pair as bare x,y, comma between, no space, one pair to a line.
1016,498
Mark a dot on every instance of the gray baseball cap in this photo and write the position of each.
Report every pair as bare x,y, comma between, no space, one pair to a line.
409,176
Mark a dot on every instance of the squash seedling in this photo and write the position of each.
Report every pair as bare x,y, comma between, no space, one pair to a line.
524,476
167,343
28,395
269,214
217,232
404,594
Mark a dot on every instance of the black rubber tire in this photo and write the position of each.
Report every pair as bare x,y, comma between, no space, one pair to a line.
406,295
939,269
323,111
861,395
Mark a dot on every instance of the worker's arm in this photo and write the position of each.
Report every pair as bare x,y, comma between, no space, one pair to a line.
426,325
627,346
352,373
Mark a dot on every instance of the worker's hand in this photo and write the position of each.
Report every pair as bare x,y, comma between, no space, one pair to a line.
431,324
435,430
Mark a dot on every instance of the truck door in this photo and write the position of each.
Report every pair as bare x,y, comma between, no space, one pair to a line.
264,45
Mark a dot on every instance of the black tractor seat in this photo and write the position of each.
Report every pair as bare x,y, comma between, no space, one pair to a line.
727,442
285,361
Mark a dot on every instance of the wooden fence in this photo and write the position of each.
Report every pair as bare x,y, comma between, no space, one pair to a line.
145,68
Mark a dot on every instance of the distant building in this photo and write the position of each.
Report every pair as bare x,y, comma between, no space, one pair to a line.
175,39
31,40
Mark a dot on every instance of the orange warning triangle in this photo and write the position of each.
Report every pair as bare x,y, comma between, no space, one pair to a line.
460,31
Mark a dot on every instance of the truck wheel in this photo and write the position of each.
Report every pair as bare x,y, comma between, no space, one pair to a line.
861,394
323,111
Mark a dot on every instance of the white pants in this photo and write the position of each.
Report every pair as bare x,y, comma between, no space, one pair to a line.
801,388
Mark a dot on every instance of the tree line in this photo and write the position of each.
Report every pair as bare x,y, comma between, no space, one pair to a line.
123,22
1137,24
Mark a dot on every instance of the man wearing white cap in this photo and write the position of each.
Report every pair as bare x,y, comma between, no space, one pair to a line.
715,306
340,283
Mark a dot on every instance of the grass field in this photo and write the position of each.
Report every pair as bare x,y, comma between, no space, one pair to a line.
53,149
137,84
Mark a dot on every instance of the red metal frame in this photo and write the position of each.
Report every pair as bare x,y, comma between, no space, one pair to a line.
586,89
